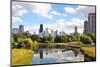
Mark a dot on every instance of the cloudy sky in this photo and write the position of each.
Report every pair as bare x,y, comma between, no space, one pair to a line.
62,17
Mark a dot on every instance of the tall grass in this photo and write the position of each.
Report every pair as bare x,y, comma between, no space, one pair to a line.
21,56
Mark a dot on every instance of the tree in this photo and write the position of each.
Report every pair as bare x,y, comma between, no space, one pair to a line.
46,38
35,37
61,39
13,43
57,39
92,35
15,36
74,38
51,39
86,39
32,44
21,35
64,39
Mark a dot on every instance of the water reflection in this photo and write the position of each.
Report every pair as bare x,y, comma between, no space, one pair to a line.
57,56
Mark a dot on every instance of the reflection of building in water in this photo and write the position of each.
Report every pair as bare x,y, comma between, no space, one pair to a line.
41,52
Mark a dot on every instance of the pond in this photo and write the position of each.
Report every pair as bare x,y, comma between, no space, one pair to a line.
57,55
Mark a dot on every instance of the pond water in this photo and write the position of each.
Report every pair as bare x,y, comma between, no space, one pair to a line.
57,56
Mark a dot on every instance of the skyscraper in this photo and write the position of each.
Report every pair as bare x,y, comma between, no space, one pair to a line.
41,28
90,25
86,27
75,29
56,32
15,30
47,32
92,22
21,28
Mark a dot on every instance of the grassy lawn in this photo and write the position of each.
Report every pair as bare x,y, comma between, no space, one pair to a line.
21,56
90,51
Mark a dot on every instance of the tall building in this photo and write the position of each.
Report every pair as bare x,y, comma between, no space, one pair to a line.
86,27
41,28
15,30
47,32
52,33
56,32
75,29
90,25
92,22
21,28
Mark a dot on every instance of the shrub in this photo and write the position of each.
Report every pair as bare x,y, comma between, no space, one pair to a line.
86,39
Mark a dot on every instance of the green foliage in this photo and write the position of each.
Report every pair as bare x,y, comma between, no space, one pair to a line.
15,36
86,39
33,45
35,37
51,39
57,39
61,39
79,43
92,35
64,39
69,39
13,43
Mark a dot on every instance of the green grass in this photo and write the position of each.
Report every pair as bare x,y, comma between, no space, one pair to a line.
90,51
21,56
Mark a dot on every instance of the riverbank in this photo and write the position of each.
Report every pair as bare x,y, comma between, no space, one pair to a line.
90,52
21,56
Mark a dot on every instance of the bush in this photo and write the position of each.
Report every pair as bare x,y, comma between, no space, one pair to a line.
86,39
79,43
92,35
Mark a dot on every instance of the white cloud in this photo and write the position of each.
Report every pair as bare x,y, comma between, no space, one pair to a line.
55,13
70,10
17,12
21,8
16,19
84,10
80,10
41,8
61,24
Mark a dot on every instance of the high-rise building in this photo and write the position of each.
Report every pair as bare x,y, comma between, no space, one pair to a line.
21,28
47,32
56,32
15,30
92,22
52,33
75,29
90,25
86,27
41,28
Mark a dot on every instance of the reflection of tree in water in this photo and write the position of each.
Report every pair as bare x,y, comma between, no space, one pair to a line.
56,51
46,52
75,53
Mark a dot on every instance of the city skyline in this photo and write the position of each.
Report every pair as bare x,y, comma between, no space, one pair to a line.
52,16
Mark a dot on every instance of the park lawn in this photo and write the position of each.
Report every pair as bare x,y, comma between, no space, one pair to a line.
90,51
21,56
